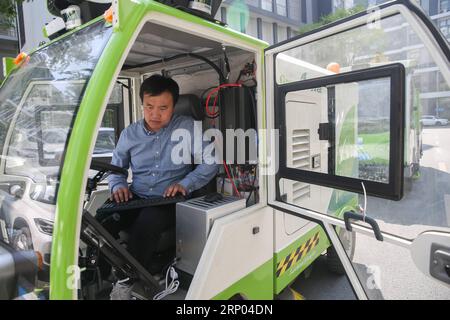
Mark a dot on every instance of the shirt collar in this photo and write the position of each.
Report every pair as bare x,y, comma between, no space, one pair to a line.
150,133
146,131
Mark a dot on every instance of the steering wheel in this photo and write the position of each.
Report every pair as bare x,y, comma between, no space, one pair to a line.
104,167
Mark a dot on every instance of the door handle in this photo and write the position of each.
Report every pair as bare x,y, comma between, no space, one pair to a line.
440,263
355,216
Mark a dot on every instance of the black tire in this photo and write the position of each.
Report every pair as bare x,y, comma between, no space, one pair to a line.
348,240
439,123
21,240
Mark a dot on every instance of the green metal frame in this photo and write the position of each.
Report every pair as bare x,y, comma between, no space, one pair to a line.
8,66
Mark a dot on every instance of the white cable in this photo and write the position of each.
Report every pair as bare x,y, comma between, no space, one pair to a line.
123,280
170,288
364,210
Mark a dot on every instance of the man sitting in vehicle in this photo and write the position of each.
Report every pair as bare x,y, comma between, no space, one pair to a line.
146,147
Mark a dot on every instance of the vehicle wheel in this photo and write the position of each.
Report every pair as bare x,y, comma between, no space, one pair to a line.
22,239
439,123
348,240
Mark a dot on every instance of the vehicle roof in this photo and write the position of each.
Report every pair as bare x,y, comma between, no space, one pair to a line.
148,6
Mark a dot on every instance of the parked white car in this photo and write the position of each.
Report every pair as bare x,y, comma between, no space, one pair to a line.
433,121
27,202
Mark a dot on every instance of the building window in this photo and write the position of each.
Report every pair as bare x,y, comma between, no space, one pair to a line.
267,34
21,25
253,3
304,12
223,14
444,26
259,28
275,32
242,22
281,8
444,6
267,5
293,10
282,33
252,28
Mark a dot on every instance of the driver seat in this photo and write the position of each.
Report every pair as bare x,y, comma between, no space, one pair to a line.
191,105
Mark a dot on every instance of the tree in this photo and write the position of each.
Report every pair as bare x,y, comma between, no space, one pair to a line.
340,13
8,12
353,48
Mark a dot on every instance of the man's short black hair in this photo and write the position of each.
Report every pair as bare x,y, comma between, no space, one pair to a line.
157,84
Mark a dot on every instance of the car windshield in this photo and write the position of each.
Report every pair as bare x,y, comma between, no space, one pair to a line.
38,103
105,143
39,100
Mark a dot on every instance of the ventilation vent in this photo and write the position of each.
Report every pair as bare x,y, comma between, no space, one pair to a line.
300,149
202,204
300,191
300,160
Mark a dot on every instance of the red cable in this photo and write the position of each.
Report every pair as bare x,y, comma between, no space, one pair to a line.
215,114
211,114
229,177
216,90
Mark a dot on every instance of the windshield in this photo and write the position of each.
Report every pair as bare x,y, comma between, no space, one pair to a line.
106,142
38,103
39,100
427,108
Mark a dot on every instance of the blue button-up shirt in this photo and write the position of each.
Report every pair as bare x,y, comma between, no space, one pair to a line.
149,154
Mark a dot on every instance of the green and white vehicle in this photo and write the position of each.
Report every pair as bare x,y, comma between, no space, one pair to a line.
330,142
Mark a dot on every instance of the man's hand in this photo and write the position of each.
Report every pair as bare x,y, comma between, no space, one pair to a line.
174,189
121,195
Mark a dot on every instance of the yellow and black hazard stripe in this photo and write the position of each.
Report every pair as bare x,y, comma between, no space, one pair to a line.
297,255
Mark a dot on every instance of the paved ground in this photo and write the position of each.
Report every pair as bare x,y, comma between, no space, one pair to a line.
385,270
426,204
323,285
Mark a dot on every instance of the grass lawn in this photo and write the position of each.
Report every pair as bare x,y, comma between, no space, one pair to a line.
375,147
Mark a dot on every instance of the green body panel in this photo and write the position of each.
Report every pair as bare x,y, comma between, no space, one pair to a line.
8,66
257,285
342,201
296,268
78,154
347,138
417,127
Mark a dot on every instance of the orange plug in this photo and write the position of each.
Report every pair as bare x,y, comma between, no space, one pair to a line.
20,58
108,15
334,67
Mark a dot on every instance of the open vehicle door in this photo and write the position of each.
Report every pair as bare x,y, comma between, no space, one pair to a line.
347,101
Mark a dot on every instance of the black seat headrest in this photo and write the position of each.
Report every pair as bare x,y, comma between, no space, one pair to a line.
190,105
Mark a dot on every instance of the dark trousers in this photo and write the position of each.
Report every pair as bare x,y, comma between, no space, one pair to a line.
145,227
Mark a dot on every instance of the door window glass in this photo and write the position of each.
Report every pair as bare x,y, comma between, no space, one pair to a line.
426,165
